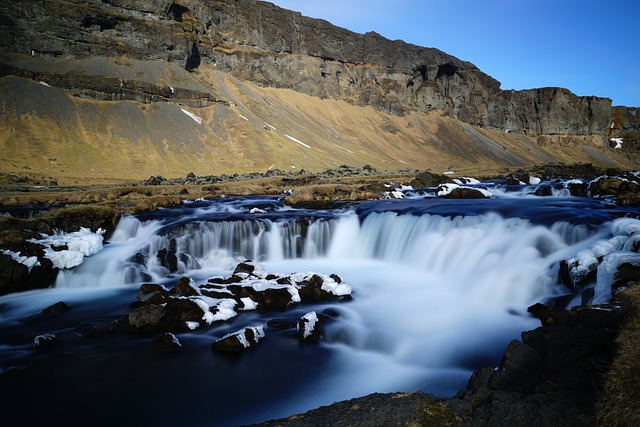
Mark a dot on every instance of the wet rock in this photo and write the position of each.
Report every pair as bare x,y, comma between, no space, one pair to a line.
426,179
519,177
578,188
152,293
465,193
544,191
17,277
166,343
612,186
185,287
146,317
627,274
239,342
244,267
518,370
44,341
179,311
308,328
59,307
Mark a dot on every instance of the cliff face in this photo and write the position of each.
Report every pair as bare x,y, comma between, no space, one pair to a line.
207,53
265,44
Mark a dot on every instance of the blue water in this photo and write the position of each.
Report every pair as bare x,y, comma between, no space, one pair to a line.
439,289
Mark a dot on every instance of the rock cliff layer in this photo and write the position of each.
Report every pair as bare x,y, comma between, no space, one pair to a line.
216,55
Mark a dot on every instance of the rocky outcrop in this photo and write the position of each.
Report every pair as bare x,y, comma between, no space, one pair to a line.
70,45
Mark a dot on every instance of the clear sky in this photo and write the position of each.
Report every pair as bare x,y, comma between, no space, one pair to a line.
591,47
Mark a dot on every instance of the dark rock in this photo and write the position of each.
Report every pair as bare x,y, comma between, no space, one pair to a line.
544,191
627,274
519,370
185,288
147,317
427,179
17,277
578,189
607,186
465,193
178,311
151,293
308,328
518,177
244,267
240,341
166,343
273,299
59,307
44,341
168,259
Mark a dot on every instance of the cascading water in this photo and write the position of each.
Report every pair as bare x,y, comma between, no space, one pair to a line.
438,289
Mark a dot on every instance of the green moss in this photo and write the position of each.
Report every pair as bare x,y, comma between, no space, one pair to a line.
438,414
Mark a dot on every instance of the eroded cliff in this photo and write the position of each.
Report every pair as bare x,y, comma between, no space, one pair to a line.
217,55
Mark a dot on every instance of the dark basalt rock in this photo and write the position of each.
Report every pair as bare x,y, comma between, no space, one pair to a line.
612,186
59,307
578,189
147,317
238,342
185,288
544,191
309,328
520,176
426,179
465,193
166,343
16,277
151,293
44,341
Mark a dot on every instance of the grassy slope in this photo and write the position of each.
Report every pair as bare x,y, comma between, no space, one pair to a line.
46,132
619,404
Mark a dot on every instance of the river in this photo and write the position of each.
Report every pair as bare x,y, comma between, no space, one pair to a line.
439,288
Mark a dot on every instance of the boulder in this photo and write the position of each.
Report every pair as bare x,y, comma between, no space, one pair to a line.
59,307
465,193
308,328
151,293
426,179
166,343
147,317
240,341
612,186
44,341
185,287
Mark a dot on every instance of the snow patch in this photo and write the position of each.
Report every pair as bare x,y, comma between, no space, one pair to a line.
193,116
310,324
345,149
29,262
79,244
534,180
192,325
248,304
297,141
618,142
446,189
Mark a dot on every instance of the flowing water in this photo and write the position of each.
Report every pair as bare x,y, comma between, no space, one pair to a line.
440,287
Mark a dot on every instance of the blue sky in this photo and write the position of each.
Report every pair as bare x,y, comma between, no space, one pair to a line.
589,47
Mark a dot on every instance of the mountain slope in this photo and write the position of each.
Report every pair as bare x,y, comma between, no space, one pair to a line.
100,90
